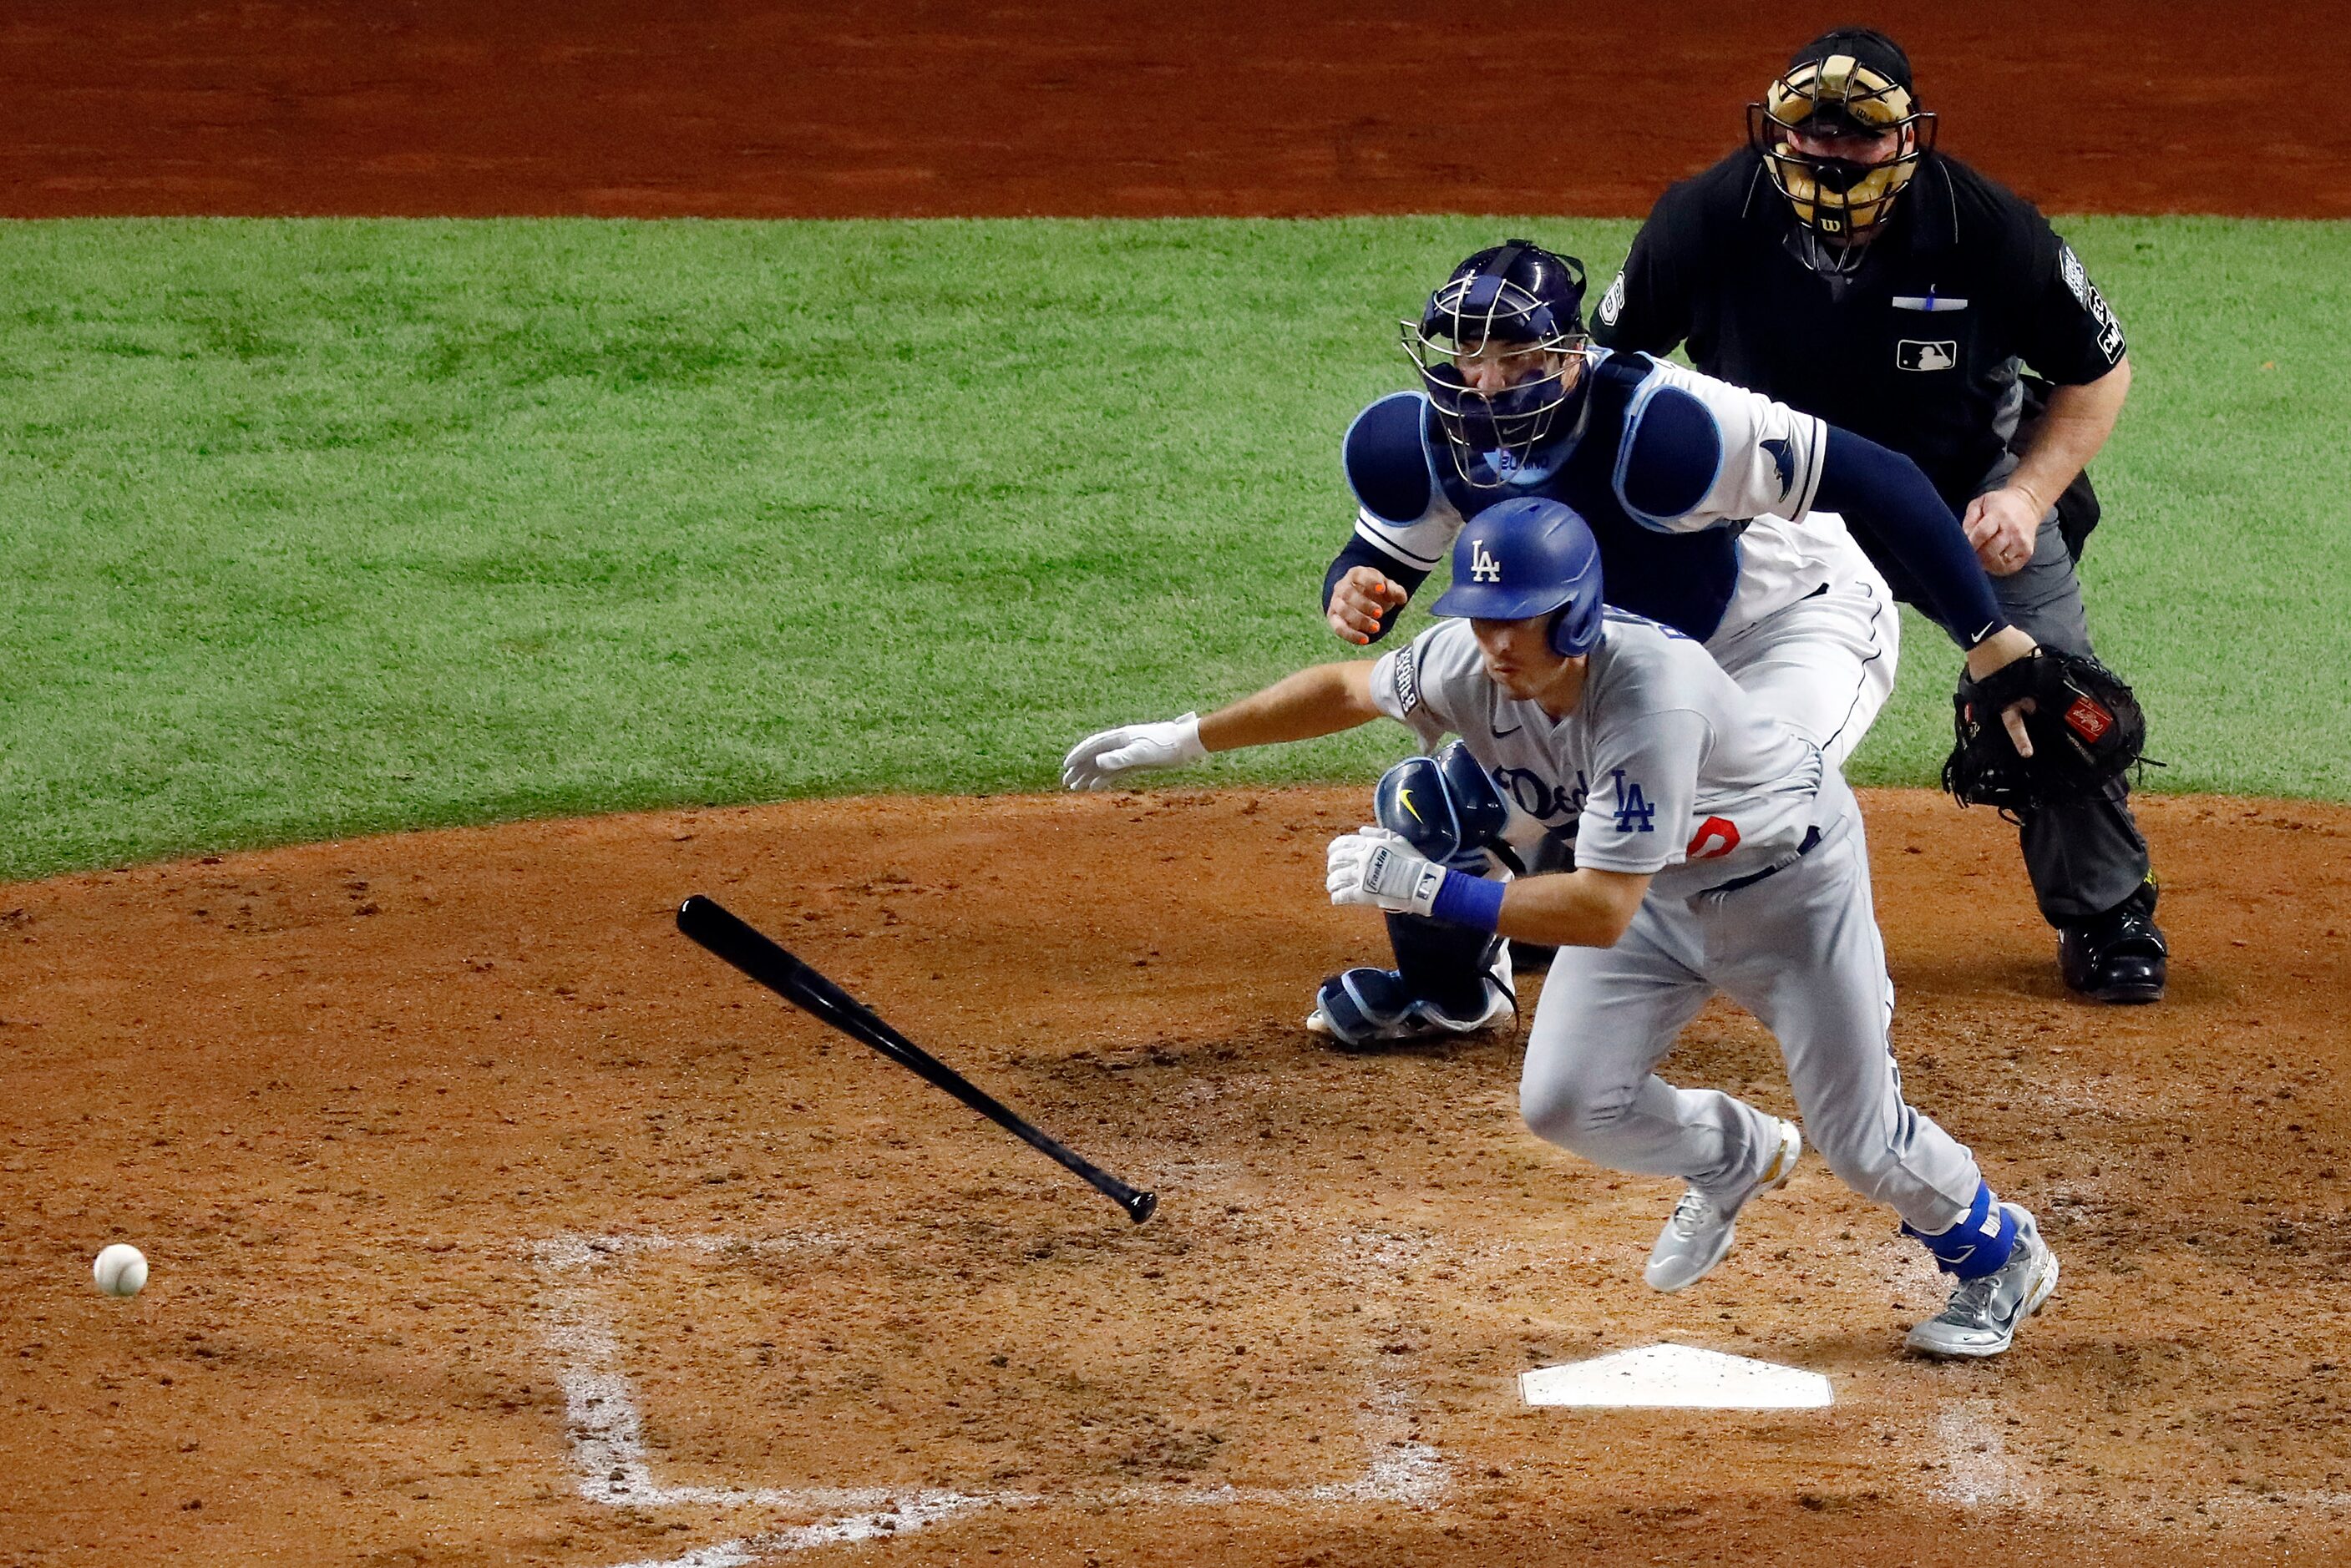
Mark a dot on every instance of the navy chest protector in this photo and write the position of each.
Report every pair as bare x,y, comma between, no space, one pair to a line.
1684,580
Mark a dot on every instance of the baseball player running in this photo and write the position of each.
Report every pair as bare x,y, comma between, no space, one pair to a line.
1702,497
1716,849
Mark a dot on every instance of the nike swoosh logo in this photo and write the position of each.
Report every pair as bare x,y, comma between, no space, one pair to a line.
1512,730
1406,795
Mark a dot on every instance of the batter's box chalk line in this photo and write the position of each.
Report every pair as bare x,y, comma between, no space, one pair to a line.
608,1449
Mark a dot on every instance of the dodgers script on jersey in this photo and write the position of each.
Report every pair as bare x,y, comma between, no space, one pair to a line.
1659,452
1665,767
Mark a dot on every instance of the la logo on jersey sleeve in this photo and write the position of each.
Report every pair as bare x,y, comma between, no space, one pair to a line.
1633,811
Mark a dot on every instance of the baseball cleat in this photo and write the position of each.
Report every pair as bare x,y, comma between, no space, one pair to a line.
1983,1313
1698,1234
2120,957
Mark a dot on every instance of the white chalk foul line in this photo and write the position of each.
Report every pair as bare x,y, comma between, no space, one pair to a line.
608,1450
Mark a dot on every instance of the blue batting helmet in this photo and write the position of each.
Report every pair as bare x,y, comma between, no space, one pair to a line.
1514,298
1524,557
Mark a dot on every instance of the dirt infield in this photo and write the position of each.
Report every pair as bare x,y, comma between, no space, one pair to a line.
942,108
494,1222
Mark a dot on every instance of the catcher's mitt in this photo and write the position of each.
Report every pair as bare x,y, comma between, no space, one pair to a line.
2086,729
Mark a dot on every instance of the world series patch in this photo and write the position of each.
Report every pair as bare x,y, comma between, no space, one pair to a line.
1407,678
2077,280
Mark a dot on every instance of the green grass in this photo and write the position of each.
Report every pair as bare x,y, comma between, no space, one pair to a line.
322,528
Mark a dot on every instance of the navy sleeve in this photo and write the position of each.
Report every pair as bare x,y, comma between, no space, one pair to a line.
1885,493
1362,552
1388,471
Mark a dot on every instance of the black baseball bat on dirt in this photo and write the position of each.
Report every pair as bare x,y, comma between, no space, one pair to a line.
709,923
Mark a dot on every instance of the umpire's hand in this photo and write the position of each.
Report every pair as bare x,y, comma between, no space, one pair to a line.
1361,598
2004,524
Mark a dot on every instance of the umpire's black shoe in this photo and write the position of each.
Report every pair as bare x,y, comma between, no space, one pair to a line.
2120,956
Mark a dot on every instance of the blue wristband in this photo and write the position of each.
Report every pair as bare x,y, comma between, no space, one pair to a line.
1465,901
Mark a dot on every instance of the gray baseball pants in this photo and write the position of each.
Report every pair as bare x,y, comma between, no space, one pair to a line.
1801,950
2087,857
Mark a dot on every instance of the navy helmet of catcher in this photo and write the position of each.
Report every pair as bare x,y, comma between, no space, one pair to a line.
1499,349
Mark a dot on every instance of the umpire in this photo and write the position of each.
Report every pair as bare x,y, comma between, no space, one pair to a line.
1839,264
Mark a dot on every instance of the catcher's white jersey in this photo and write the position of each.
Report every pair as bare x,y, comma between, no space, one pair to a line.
1666,766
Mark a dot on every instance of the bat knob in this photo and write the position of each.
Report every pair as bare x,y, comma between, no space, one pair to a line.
1141,1206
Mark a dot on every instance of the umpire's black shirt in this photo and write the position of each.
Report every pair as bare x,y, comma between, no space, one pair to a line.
1918,348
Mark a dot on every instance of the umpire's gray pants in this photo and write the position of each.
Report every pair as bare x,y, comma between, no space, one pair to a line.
2084,858
1800,951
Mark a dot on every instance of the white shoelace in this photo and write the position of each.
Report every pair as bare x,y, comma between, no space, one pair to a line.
1973,1298
1691,1212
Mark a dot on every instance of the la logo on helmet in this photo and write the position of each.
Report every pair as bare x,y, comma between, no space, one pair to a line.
1483,566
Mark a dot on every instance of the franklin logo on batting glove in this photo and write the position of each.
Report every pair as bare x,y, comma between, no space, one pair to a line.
1374,865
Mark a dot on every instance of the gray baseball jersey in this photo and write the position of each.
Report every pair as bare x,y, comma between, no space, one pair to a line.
1666,766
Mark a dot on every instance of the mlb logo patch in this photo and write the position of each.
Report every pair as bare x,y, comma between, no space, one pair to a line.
2087,720
1911,354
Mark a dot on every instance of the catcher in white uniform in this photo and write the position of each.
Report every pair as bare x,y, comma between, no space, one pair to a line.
1717,849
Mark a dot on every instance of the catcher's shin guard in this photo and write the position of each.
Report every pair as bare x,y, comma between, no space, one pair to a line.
1362,1007
1444,965
1473,991
1365,1008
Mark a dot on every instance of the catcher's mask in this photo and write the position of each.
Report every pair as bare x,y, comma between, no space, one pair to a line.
1844,91
1520,308
1524,557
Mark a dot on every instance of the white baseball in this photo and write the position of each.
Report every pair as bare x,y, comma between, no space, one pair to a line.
120,1270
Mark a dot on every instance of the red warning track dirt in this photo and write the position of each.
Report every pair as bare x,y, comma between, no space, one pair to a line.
1128,108
491,1221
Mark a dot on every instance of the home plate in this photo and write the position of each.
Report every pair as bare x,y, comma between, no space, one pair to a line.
1676,1377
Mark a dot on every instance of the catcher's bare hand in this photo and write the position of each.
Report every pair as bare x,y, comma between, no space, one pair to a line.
1998,651
1358,602
2004,525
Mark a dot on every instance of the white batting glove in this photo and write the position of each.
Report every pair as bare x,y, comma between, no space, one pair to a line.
1373,866
1098,760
